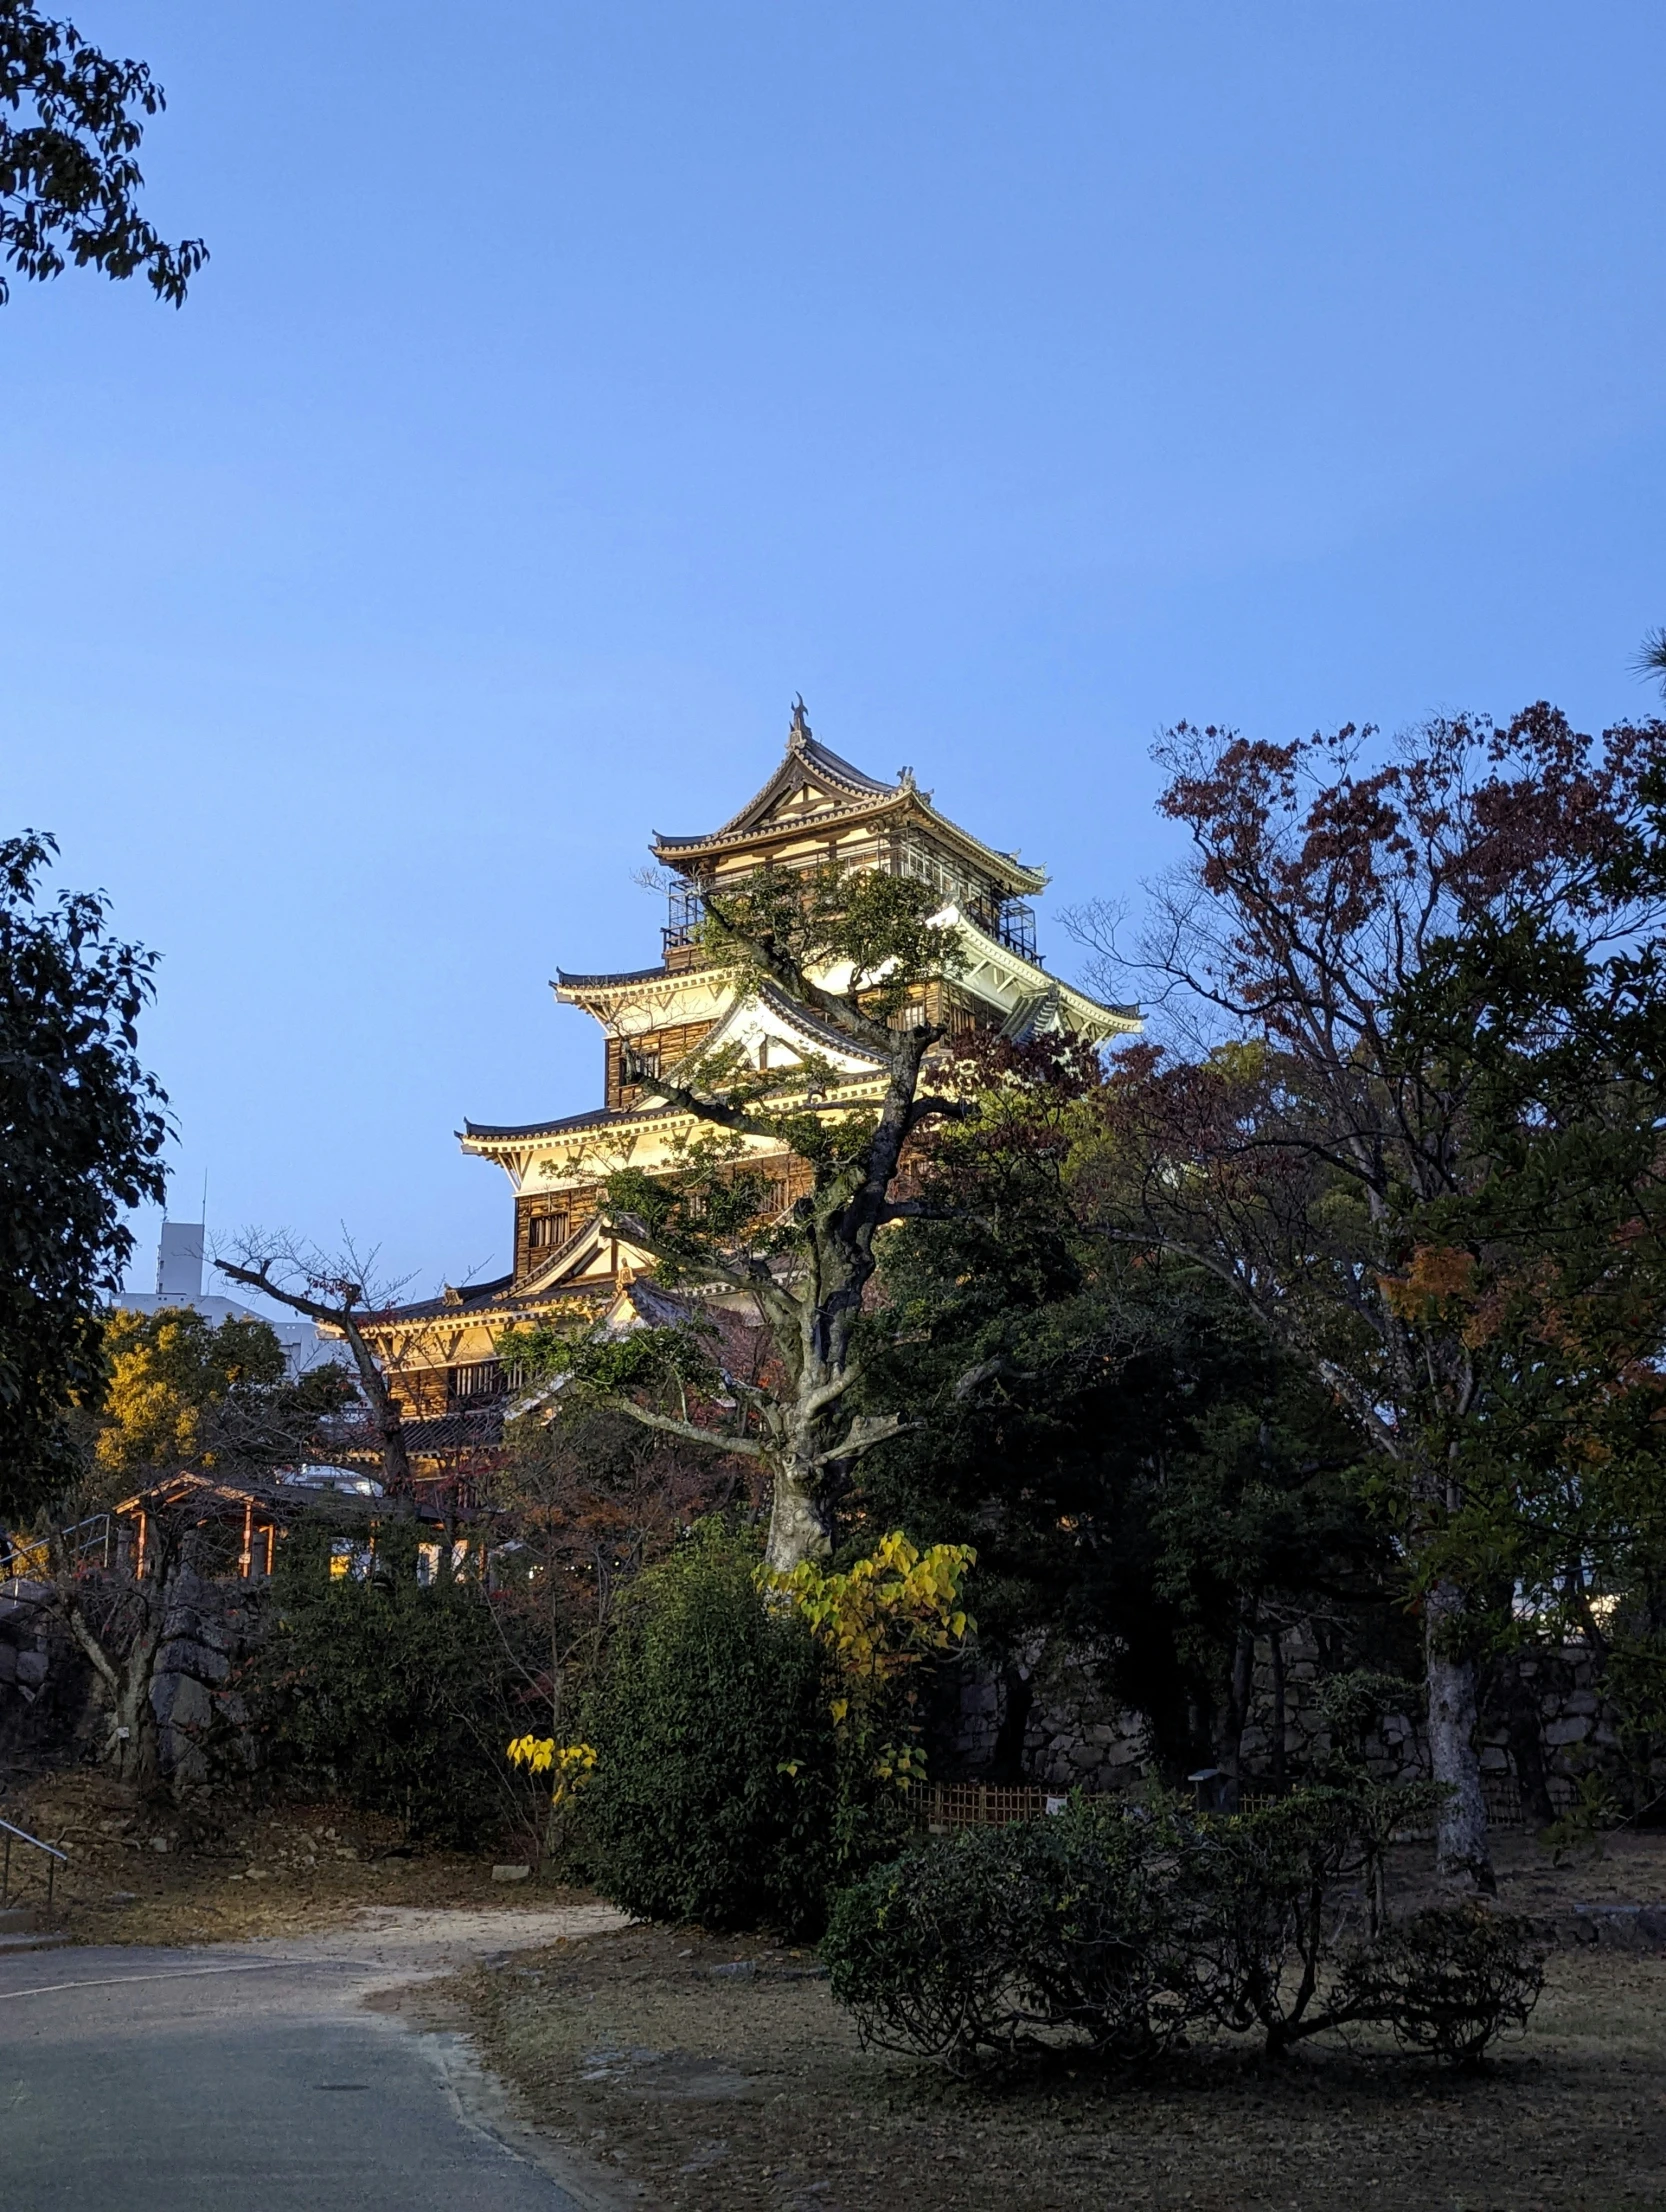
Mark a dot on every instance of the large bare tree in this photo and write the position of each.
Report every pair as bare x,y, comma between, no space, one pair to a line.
339,1291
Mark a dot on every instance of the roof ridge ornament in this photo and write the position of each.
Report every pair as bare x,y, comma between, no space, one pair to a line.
800,734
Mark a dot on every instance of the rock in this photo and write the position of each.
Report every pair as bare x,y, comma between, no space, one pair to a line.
122,1897
31,1668
511,1873
1625,1927
193,1658
1573,1730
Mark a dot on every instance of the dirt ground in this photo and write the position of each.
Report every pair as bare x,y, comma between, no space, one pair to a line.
716,2072
141,1874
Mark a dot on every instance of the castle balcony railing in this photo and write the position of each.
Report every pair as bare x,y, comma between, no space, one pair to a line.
1011,922
685,911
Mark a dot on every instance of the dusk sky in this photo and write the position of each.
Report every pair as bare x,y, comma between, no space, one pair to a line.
571,385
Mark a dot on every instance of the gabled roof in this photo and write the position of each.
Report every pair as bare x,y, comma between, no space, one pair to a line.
796,1021
850,797
805,761
569,1261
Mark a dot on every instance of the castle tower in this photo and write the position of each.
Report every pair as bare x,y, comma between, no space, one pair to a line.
815,809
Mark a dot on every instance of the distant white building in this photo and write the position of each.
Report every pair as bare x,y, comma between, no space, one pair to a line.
179,1264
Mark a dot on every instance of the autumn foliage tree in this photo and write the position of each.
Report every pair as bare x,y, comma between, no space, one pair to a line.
187,1392
1407,1115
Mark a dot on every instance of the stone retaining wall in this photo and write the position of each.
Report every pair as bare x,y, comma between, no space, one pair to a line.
47,1686
1073,1736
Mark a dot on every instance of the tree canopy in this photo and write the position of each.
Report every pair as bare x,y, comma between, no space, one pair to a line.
70,127
1408,1116
852,950
82,1126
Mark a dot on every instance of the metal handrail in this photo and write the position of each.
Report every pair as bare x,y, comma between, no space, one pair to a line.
54,1858
24,1554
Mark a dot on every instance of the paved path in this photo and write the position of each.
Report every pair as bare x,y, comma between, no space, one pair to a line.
255,2080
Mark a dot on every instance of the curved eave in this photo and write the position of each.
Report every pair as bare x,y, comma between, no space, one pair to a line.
602,990
488,1139
1086,1014
490,1143
623,979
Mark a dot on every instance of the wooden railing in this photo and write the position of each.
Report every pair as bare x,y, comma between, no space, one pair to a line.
938,1806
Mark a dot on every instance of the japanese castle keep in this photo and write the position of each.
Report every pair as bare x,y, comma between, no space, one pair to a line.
815,808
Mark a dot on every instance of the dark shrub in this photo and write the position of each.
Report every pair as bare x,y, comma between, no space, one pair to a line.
921,1951
397,1695
1448,1980
714,1787
993,1940
1110,1928
1262,1895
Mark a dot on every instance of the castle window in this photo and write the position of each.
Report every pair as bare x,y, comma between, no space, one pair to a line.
545,1231
479,1378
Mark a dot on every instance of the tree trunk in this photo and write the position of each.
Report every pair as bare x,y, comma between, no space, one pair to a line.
800,1515
1461,1851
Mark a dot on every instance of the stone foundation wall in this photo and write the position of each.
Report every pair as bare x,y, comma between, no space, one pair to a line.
1545,1707
49,1696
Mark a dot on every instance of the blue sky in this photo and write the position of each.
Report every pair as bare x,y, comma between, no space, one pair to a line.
572,384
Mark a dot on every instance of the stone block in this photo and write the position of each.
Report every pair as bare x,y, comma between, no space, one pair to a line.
8,1663
1494,1760
1572,1730
31,1668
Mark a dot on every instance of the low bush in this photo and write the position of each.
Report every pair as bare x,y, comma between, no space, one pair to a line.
716,1768
1447,1981
1111,1929
971,1947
